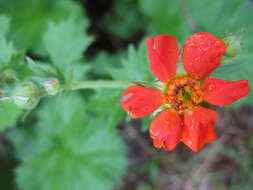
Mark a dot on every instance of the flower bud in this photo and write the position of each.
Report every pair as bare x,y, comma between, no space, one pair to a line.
233,43
8,74
26,95
51,85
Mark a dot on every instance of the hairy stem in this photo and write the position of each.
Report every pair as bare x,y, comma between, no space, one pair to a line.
98,84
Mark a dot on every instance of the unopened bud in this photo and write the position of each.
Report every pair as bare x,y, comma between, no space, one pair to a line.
233,43
51,85
8,74
26,95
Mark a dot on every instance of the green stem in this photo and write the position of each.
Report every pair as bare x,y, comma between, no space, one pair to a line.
98,84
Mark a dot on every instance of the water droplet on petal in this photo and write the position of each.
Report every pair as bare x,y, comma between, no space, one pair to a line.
190,44
206,48
126,97
211,87
197,59
190,64
217,43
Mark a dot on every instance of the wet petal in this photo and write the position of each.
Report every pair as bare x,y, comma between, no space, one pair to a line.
220,92
199,128
165,130
202,53
163,53
140,101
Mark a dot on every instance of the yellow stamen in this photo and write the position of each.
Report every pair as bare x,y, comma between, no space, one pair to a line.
183,93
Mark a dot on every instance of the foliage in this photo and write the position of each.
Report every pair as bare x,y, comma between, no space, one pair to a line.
105,105
134,67
68,149
29,22
104,61
7,49
125,19
9,113
164,17
64,53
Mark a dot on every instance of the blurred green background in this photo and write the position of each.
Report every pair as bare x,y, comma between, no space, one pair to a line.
83,140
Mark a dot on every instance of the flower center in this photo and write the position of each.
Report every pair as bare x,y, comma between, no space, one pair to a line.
183,93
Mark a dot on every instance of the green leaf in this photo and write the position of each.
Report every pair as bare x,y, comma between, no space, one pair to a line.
9,114
70,149
30,18
80,72
24,68
4,24
231,14
65,42
11,60
124,20
146,122
103,61
7,49
40,69
106,106
164,17
135,67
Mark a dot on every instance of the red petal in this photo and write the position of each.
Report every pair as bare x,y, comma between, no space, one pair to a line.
163,53
199,128
202,53
165,130
140,101
220,92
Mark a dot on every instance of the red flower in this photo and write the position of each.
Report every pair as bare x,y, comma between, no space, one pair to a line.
185,119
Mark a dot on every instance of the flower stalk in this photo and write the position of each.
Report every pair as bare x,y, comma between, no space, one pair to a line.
97,84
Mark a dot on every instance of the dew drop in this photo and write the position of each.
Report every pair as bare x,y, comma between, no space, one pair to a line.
154,47
126,97
211,87
190,44
217,43
197,59
235,92
206,48
190,64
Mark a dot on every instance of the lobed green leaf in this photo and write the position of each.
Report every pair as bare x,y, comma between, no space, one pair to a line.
65,42
125,19
9,113
135,67
106,106
69,148
30,18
